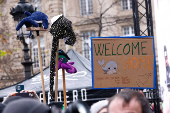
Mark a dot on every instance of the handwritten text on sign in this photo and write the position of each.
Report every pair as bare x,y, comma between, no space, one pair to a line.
123,62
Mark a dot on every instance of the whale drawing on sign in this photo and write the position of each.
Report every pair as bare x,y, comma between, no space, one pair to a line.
110,67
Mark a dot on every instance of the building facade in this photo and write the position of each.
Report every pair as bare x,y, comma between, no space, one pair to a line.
89,18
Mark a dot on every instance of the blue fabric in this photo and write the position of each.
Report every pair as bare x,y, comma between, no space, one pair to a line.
38,16
30,34
27,13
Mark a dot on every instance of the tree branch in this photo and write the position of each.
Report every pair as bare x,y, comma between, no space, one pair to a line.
7,73
110,6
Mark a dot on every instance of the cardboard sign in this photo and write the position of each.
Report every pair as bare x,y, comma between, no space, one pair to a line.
119,62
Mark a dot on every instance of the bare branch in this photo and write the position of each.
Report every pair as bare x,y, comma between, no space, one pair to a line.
99,2
6,72
110,7
7,62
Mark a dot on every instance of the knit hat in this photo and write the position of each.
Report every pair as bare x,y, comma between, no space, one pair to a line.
60,29
26,105
96,107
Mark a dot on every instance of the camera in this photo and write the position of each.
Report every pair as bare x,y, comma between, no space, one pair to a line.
25,94
74,107
78,107
19,88
56,107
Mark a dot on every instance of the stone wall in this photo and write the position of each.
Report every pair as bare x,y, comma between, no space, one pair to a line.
7,29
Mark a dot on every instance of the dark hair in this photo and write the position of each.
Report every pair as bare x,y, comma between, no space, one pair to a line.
127,95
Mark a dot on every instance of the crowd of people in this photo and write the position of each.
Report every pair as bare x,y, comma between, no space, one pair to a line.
126,101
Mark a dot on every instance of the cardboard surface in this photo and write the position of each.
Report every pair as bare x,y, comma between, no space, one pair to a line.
123,62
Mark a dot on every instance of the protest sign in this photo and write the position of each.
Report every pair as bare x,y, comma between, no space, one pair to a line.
119,62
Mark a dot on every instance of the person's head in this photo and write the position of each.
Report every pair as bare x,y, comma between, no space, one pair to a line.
26,105
128,101
166,56
12,98
166,60
99,107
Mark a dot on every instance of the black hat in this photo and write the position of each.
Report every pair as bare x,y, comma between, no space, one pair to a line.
61,52
26,105
62,28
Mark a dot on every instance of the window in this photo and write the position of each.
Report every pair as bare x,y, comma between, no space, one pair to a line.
87,43
128,31
86,7
36,4
35,55
126,4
